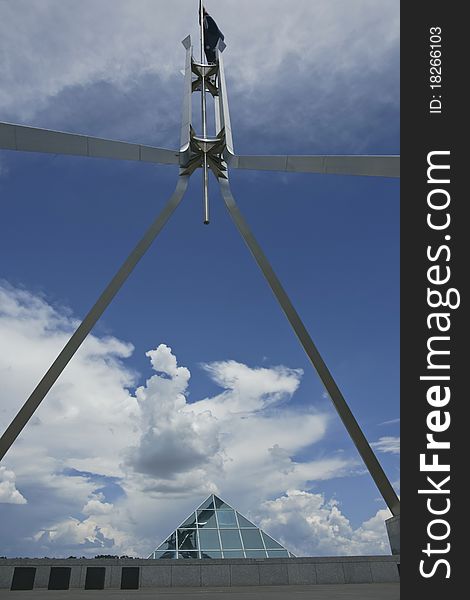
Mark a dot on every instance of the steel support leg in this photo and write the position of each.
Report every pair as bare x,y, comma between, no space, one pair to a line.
368,456
32,403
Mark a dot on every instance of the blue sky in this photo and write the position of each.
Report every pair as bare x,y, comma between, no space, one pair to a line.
317,78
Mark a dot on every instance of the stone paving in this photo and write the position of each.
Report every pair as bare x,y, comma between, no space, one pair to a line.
368,591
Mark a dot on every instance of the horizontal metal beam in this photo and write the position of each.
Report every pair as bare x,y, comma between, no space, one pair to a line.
369,165
34,139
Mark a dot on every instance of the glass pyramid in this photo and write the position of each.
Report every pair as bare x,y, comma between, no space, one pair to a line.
216,530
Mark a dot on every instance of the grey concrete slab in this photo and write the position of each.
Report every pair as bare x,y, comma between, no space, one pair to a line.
115,577
186,575
81,583
384,572
215,575
228,572
75,576
153,577
6,575
273,574
244,574
42,577
357,572
301,574
330,573
368,591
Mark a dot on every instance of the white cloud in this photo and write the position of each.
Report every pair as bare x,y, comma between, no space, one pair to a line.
249,390
112,472
309,525
390,422
32,333
109,55
85,536
8,492
388,444
95,506
174,439
59,44
233,437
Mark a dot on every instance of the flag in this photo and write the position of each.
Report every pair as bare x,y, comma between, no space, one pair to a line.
212,34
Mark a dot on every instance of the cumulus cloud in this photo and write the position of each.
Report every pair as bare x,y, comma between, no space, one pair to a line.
88,536
8,492
174,439
309,524
388,444
238,431
95,506
248,389
92,392
110,469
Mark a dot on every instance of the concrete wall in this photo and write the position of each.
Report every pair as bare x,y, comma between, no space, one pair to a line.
221,573
393,531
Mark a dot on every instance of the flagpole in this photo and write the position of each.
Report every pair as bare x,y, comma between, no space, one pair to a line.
205,173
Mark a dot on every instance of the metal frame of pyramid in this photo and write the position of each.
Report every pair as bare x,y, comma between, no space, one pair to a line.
216,530
206,153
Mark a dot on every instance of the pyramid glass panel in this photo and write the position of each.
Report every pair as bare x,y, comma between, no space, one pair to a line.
209,539
234,554
206,518
227,519
167,554
255,553
270,543
190,522
244,522
252,539
278,554
187,539
221,505
216,530
169,543
208,503
211,554
184,554
230,539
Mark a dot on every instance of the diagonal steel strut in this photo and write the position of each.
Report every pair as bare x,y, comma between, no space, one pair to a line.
359,439
70,348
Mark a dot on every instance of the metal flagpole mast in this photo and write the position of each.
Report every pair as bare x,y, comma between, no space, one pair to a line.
205,173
